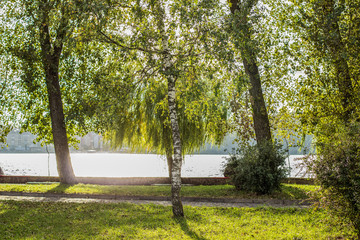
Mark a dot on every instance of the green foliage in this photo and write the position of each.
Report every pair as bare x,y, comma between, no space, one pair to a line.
337,170
68,23
259,168
319,45
139,116
311,62
56,220
10,95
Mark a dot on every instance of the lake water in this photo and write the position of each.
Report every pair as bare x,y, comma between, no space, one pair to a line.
119,165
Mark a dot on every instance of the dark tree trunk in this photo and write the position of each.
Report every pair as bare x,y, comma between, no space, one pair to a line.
337,49
50,58
345,87
62,152
260,115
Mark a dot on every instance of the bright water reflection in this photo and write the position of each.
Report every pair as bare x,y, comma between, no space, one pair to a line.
117,165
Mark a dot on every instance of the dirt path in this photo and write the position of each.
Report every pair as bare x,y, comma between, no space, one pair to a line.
165,201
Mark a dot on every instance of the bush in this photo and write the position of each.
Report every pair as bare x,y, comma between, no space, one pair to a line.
258,168
337,171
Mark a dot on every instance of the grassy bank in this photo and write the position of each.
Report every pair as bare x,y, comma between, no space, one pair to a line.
288,191
56,220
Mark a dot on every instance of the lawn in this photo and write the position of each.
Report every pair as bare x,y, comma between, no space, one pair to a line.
57,220
288,191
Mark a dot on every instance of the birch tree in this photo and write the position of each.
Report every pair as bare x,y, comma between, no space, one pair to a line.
166,40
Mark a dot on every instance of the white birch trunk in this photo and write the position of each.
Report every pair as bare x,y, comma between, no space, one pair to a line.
177,159
170,75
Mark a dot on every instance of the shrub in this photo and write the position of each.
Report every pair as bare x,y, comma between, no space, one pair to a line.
337,171
259,168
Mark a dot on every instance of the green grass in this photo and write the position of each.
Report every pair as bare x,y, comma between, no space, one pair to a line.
57,220
288,191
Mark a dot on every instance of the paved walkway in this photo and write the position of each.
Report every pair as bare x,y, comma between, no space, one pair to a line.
165,201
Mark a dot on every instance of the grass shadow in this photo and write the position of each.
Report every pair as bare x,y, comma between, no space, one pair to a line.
58,220
185,227
61,188
290,192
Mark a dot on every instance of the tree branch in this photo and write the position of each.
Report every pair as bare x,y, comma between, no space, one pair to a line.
110,40
4,84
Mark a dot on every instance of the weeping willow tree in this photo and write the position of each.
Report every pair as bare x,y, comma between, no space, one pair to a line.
10,100
136,113
202,117
166,92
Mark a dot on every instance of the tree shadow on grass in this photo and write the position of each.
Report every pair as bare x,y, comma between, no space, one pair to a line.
58,220
289,192
61,188
185,227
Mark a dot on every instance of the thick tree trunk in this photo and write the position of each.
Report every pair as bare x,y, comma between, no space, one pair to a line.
62,152
345,87
260,115
337,49
50,59
1,171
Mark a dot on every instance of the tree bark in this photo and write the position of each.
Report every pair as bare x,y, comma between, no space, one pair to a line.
1,171
50,59
170,75
177,160
61,146
167,139
260,115
169,157
337,49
